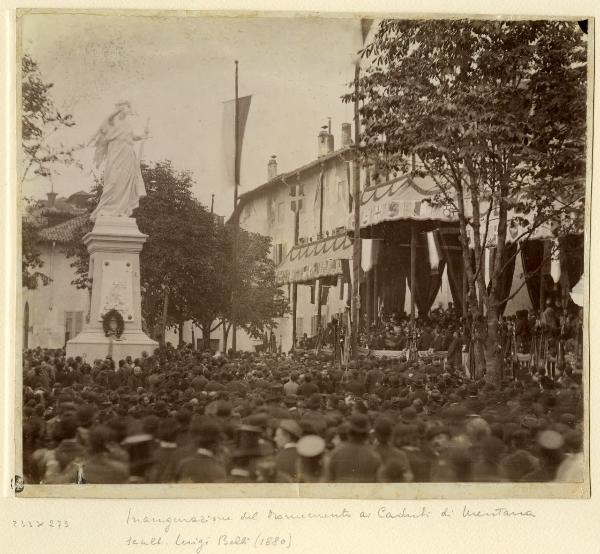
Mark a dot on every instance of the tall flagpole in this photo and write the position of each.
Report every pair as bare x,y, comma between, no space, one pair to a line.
356,251
235,221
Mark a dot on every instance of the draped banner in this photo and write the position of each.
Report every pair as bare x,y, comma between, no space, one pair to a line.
310,261
402,198
427,284
572,254
532,255
505,280
452,255
232,163
370,253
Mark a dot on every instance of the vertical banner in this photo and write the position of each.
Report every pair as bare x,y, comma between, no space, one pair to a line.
555,261
434,255
370,251
228,129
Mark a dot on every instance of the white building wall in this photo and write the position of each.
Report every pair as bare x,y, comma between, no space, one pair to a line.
269,213
49,304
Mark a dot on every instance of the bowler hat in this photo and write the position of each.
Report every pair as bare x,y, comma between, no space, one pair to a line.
248,442
359,423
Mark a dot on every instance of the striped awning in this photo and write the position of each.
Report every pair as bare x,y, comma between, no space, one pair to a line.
405,197
313,260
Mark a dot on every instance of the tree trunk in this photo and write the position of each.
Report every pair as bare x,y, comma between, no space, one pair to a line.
225,335
206,336
470,295
492,351
163,322
180,333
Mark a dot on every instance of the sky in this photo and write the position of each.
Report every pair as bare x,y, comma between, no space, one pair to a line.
177,71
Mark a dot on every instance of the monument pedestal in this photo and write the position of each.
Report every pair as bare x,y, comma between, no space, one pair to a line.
114,245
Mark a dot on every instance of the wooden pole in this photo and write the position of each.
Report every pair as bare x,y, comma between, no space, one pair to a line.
542,275
319,291
465,288
294,313
413,270
295,285
375,294
356,205
235,221
321,177
369,298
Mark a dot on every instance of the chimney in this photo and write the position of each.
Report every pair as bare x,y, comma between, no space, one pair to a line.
346,135
325,142
51,198
272,168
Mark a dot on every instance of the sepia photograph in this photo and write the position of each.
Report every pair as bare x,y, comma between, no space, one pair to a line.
303,250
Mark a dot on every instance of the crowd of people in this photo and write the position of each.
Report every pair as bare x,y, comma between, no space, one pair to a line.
551,338
185,416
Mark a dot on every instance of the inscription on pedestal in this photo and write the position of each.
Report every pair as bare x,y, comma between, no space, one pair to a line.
117,288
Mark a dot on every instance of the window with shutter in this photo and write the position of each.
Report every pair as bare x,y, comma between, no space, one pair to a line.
299,326
78,325
68,326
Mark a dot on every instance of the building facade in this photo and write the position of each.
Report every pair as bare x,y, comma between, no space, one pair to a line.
56,312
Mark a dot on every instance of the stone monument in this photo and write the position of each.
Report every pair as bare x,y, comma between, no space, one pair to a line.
114,326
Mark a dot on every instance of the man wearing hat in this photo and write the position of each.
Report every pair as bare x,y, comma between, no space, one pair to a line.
308,388
387,452
102,467
290,388
163,468
203,466
247,454
311,461
287,434
355,385
355,461
550,447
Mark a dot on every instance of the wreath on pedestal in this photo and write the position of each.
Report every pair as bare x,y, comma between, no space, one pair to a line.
107,317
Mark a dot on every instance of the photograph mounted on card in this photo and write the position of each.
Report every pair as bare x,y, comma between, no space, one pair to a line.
292,256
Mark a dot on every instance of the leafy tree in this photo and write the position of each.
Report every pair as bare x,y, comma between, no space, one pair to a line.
258,300
40,119
186,265
30,253
178,260
496,114
176,264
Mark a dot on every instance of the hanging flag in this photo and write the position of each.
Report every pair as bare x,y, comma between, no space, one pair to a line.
360,38
233,169
578,291
370,253
434,255
346,272
348,179
317,201
324,293
555,262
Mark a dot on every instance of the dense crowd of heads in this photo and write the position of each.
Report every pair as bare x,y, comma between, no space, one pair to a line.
184,416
